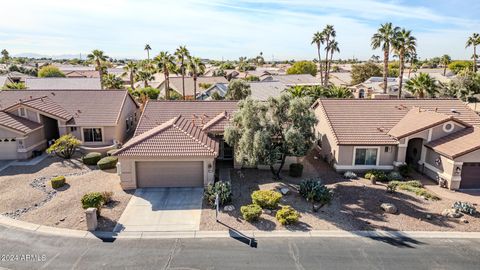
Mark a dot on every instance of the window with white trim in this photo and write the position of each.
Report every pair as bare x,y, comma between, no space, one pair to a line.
92,134
22,112
366,156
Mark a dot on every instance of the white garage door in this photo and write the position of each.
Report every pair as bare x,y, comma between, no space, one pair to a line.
169,173
8,150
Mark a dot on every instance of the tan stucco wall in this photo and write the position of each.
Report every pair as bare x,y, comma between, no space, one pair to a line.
329,150
129,110
445,169
126,169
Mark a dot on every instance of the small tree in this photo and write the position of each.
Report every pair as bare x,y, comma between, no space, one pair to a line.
64,146
362,72
50,71
303,67
238,90
267,132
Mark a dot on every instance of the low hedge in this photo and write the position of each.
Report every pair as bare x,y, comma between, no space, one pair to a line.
287,215
93,199
91,158
107,163
295,170
58,181
266,198
251,212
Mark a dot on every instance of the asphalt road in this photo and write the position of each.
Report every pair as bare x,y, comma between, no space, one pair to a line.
48,252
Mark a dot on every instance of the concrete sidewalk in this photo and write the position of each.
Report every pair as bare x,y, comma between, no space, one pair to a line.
22,225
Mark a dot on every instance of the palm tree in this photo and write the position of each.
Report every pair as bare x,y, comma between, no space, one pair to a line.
98,57
445,60
422,85
329,33
182,54
318,39
131,69
383,38
112,82
403,44
195,67
412,58
298,91
473,41
339,92
165,63
148,48
333,48
145,76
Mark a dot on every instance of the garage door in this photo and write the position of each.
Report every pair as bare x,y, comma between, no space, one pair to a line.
169,174
470,176
8,150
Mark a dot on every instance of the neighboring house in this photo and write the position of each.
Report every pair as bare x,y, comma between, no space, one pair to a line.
373,88
176,85
340,78
260,90
82,74
4,80
63,83
17,77
176,144
31,119
292,79
438,137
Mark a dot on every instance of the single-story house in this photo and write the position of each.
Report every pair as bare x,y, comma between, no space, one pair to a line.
373,88
32,119
203,83
82,74
176,144
260,90
63,83
438,137
292,79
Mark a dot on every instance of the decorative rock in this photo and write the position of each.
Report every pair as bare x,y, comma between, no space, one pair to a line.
228,208
267,211
389,208
284,190
428,216
451,213
316,207
464,220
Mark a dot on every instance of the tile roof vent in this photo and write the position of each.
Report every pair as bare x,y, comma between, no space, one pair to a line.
380,129
454,111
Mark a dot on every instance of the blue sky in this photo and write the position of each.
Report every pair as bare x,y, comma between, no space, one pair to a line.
280,29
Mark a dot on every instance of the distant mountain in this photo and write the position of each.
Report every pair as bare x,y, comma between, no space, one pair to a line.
60,56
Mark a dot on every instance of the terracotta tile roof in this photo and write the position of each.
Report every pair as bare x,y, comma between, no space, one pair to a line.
218,123
176,83
88,107
198,112
46,105
175,137
417,120
368,121
17,123
457,144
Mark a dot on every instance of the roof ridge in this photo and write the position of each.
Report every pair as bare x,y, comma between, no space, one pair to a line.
215,120
180,128
328,120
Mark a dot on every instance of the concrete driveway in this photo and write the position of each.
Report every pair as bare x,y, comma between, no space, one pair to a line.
162,210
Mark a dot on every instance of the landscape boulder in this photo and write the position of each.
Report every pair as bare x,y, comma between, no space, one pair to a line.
228,208
389,208
284,191
451,213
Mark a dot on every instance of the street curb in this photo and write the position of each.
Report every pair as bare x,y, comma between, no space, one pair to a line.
27,226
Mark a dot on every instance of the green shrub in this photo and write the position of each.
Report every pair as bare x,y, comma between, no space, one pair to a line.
368,175
91,158
93,199
395,176
107,163
315,192
295,170
251,212
414,186
464,207
287,215
405,170
58,181
107,197
224,190
391,187
379,175
266,198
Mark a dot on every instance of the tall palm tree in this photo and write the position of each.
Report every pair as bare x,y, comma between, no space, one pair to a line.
98,57
195,67
165,63
339,92
412,58
404,43
111,81
145,76
473,41
131,70
182,54
422,86
318,39
333,48
445,60
329,33
148,48
383,38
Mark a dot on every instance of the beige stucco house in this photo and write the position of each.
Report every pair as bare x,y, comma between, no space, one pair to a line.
439,137
32,119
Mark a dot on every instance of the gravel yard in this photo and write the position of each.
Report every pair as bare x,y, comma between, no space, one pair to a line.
356,205
27,194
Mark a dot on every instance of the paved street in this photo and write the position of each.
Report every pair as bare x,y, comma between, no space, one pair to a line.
227,253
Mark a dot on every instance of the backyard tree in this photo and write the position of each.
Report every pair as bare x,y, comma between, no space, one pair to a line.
50,71
362,72
267,132
238,90
303,67
64,146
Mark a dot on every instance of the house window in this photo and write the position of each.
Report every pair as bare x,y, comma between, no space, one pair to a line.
73,129
361,93
92,134
22,112
319,139
366,156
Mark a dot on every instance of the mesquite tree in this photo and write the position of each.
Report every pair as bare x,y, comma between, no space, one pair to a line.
265,133
64,146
